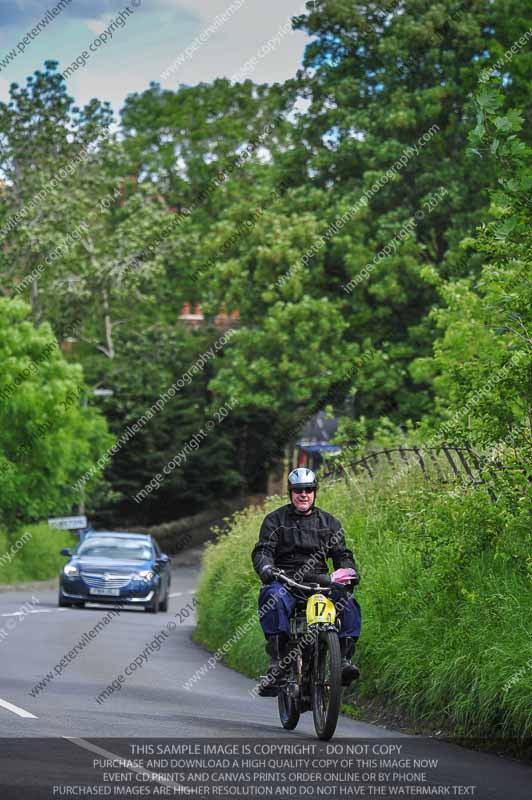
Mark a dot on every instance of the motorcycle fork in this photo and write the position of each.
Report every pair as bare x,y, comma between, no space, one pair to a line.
306,665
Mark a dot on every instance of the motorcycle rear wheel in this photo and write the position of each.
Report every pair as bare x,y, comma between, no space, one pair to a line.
289,701
289,712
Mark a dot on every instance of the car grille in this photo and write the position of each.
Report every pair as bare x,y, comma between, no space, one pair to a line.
107,581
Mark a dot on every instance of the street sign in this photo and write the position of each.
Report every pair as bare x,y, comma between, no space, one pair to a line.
68,523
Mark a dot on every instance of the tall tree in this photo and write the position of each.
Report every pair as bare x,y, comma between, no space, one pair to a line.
482,362
44,141
381,78
195,475
48,434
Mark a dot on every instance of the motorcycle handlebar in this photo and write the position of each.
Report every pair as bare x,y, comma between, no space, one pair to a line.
311,587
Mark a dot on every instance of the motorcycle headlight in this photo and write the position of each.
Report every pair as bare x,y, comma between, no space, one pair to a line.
70,570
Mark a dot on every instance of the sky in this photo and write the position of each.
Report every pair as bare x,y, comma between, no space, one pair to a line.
153,40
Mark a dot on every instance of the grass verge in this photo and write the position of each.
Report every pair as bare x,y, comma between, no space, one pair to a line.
32,553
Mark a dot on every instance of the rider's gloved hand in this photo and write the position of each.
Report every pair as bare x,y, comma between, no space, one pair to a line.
347,577
266,574
355,580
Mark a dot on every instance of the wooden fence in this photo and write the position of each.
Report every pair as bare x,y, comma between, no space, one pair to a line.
441,464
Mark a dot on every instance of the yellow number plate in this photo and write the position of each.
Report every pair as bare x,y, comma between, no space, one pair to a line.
320,609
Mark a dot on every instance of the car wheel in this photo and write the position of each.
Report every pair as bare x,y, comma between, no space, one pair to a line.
62,603
153,606
163,605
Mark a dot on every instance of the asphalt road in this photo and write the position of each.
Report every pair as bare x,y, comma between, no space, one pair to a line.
151,700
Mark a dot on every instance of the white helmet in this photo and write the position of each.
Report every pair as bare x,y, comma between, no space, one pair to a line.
302,478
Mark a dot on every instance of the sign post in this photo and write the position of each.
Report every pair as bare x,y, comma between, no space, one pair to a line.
68,523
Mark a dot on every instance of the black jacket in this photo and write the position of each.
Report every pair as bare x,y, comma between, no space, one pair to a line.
298,543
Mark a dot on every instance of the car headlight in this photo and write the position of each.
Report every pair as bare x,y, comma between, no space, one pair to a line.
145,575
70,570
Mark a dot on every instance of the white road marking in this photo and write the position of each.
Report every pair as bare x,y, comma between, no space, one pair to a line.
176,594
33,611
17,710
92,748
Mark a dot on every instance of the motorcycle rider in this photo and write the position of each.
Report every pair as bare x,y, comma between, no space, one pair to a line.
298,538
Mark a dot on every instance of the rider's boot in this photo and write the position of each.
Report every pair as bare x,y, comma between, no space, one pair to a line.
350,672
269,684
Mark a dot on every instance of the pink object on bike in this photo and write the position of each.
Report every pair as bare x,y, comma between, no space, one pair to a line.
343,575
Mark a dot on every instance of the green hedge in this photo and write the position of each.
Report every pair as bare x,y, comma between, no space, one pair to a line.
446,595
32,553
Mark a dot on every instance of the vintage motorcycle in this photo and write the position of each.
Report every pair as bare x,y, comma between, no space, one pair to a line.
312,673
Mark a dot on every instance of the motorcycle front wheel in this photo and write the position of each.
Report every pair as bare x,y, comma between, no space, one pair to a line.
326,690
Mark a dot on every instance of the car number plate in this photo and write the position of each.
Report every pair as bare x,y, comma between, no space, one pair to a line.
107,592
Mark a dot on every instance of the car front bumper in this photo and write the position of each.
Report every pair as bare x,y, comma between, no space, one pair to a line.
76,589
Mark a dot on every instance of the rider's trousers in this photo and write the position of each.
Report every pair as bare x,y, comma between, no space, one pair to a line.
276,604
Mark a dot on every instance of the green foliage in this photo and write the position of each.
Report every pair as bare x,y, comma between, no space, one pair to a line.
46,439
383,85
31,553
482,363
95,257
282,365
164,355
181,138
379,77
228,596
46,144
446,595
335,213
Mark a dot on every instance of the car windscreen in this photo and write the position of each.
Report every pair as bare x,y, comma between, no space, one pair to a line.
123,549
